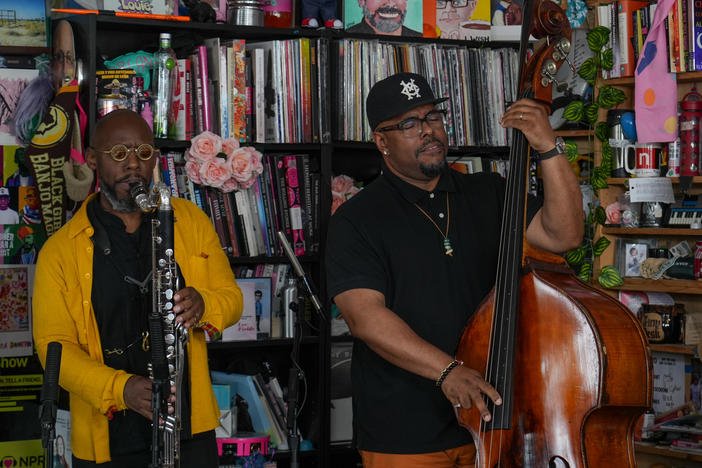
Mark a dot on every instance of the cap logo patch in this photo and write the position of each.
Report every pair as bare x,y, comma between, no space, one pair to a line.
410,89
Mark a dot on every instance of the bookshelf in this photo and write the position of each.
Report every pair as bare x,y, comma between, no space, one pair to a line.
102,37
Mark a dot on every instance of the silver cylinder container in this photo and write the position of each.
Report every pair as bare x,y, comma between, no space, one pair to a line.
245,13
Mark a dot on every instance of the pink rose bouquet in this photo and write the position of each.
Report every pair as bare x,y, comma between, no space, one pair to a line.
222,163
343,187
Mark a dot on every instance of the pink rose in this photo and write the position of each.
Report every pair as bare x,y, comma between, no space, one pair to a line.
240,164
337,200
614,214
229,145
229,185
192,168
341,183
215,172
256,158
205,146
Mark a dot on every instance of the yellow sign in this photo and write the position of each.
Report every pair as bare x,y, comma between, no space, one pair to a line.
21,453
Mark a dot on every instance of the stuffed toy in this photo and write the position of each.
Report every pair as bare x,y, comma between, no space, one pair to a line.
312,10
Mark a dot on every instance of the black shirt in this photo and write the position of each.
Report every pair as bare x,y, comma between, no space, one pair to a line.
121,311
380,240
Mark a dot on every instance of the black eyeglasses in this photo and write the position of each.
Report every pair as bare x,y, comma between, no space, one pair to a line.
412,127
119,152
440,4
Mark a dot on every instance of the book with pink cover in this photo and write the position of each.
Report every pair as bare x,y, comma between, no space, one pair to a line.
294,204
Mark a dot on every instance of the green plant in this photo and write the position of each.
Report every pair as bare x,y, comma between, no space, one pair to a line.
606,97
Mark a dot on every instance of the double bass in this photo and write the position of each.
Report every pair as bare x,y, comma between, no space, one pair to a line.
571,363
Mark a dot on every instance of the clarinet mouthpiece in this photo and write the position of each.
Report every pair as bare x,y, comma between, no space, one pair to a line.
141,197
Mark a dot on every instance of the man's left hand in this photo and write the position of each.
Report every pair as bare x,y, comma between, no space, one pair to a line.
531,118
189,307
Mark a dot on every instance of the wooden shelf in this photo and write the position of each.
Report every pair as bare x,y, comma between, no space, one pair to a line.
666,452
639,232
686,77
625,180
575,133
661,285
673,348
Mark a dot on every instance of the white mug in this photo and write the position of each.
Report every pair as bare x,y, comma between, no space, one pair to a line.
647,161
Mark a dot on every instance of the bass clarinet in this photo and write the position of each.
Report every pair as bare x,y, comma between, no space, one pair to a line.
168,337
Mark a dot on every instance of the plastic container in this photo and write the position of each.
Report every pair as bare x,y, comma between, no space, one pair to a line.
277,14
164,80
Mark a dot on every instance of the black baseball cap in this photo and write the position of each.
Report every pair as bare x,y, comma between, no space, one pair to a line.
397,94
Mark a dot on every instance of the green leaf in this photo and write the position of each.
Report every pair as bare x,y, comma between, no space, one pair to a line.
574,111
602,131
591,113
576,256
606,163
610,277
607,59
597,38
599,215
571,150
585,271
588,70
600,246
610,97
598,181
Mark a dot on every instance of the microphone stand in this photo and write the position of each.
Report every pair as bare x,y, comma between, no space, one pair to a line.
47,418
296,373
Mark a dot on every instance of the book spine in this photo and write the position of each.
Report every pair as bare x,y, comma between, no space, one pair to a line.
238,225
188,99
216,216
204,79
229,215
269,174
305,177
259,92
180,99
267,214
198,94
172,178
240,93
282,194
294,205
250,122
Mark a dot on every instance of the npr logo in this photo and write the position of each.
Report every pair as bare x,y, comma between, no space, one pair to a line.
14,462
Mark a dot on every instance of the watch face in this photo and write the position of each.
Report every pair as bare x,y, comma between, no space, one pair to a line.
560,145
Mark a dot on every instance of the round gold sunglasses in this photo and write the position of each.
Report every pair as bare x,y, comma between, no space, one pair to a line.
119,152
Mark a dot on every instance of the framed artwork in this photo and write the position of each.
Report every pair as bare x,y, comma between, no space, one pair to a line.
261,305
13,81
368,17
630,255
23,23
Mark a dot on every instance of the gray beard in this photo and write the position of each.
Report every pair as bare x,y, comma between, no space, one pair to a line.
386,26
433,170
118,204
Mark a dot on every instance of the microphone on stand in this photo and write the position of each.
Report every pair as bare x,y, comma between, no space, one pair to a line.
300,272
49,400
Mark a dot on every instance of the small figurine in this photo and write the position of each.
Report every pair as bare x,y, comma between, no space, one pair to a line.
323,9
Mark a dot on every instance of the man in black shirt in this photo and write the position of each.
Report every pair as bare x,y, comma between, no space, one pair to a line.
409,259
384,17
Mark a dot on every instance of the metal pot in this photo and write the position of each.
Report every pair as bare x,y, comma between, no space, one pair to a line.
245,13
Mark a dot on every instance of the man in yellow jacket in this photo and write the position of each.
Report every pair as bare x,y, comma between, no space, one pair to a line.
92,294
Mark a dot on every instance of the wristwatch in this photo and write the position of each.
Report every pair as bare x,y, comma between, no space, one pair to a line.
560,148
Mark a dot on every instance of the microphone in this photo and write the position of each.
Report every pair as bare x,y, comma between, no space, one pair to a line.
299,271
49,393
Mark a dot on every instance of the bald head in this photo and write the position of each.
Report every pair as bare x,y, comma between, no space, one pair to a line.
119,119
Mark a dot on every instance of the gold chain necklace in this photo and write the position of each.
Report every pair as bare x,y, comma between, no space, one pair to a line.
447,242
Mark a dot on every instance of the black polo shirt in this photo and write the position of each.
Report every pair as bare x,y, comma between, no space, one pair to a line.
380,240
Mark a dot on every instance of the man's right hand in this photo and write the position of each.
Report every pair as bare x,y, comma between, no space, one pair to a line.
137,395
464,386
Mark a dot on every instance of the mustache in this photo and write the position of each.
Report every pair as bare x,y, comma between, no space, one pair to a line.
389,9
430,142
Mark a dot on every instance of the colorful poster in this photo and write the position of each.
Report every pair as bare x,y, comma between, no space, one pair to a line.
15,310
463,19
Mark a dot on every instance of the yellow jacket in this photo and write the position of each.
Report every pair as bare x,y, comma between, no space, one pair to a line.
63,312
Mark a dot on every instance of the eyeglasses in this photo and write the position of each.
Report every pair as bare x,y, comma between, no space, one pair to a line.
60,56
412,127
440,4
119,152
